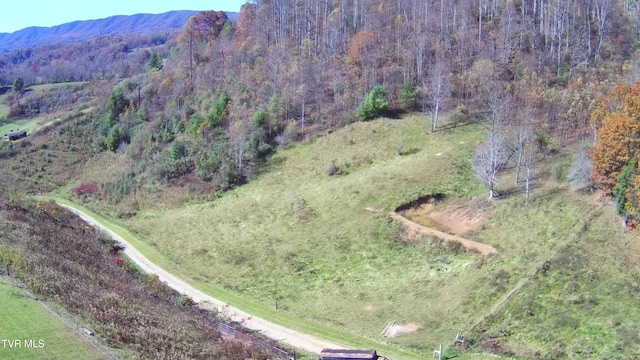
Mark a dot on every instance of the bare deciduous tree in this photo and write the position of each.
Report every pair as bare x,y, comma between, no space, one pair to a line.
529,162
437,89
580,173
601,13
238,135
488,159
521,134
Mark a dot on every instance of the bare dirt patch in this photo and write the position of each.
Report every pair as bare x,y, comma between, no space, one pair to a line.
463,218
396,330
415,230
457,219
420,217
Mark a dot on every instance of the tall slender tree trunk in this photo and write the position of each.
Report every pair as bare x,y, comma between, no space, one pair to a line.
434,117
302,121
480,21
518,167
528,186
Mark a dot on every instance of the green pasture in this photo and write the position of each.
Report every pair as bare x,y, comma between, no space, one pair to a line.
44,87
318,253
29,331
21,124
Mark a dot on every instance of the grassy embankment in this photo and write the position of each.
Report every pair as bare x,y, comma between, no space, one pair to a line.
25,320
303,240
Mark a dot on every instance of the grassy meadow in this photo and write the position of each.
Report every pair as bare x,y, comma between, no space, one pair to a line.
23,318
318,253
25,124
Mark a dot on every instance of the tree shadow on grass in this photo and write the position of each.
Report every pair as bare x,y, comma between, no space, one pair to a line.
411,151
450,126
395,113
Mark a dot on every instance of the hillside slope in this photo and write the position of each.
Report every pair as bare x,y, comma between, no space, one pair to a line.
293,338
304,240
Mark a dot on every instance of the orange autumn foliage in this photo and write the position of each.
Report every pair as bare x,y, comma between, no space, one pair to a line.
618,138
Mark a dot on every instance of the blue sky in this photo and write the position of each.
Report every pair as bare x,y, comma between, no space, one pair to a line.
19,14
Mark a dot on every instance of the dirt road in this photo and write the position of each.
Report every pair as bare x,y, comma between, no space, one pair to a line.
274,331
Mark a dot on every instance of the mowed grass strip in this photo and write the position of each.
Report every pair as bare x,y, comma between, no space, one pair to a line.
39,333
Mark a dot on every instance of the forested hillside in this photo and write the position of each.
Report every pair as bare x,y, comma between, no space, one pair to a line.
206,107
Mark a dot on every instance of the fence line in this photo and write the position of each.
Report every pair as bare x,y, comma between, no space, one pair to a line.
231,332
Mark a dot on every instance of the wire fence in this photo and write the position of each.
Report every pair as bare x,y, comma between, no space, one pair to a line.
233,333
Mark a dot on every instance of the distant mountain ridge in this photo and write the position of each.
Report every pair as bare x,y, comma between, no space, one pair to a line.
88,29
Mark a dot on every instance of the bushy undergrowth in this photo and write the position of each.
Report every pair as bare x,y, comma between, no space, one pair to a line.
62,259
44,99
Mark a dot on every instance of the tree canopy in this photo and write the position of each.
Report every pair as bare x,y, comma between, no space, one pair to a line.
618,143
18,85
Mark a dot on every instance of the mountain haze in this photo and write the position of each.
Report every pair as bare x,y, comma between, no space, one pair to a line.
88,29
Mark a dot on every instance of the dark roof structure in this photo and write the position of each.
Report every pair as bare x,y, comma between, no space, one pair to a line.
16,135
343,354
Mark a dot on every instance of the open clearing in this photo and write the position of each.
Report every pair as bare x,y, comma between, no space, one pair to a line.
301,239
40,333
296,243
31,124
24,124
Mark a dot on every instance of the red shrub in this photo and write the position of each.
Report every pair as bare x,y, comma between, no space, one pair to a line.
84,189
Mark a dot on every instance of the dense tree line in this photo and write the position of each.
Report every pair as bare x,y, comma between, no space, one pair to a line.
615,154
208,105
290,69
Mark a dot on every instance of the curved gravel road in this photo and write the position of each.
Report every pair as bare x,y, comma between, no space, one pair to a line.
274,331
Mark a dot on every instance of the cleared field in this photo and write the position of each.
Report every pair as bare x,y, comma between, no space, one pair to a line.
29,331
22,124
33,123
56,85
302,239
299,247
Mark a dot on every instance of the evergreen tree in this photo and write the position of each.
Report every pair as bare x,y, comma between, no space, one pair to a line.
408,95
219,110
375,104
155,62
18,85
624,192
